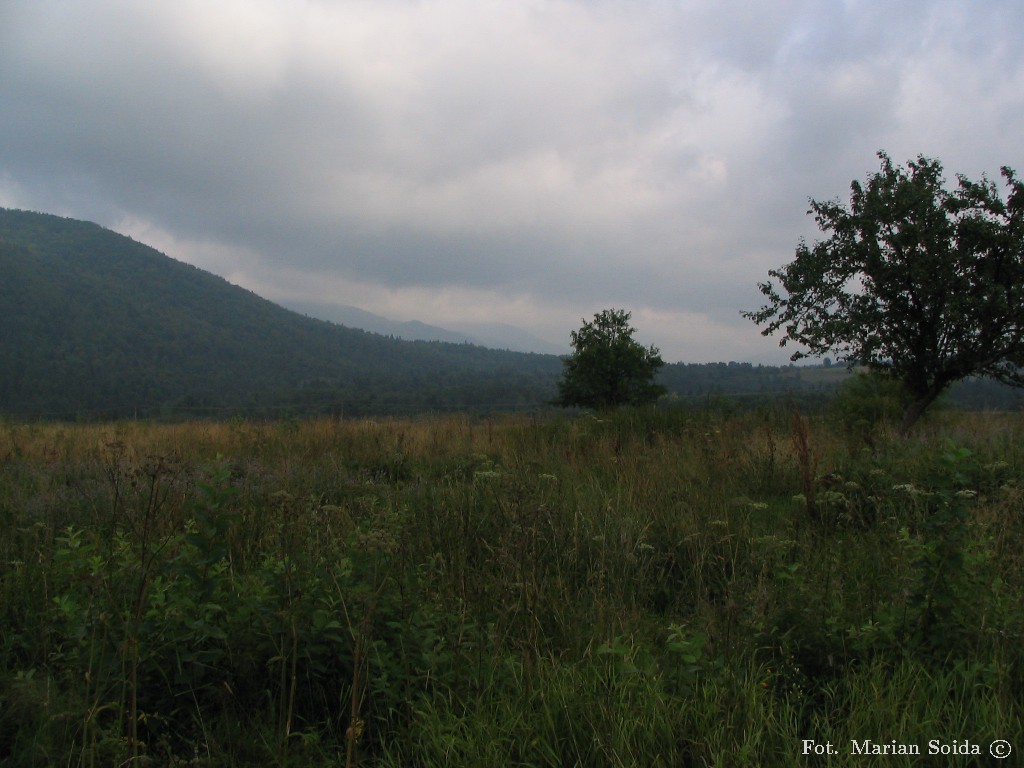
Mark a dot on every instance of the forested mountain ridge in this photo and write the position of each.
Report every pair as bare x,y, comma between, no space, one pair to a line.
97,324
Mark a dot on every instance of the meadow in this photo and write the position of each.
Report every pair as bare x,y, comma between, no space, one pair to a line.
647,588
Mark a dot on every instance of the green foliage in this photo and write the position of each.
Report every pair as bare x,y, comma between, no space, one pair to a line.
946,574
867,400
643,587
914,280
609,368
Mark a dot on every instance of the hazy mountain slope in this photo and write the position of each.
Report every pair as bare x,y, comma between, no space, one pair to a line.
354,317
505,336
493,335
96,322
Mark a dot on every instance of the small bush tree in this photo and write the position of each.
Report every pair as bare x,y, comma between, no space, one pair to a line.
608,367
866,400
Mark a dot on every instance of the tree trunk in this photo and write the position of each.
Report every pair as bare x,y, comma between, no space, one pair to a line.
916,408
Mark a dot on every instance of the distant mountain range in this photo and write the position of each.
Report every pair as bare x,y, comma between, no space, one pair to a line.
492,335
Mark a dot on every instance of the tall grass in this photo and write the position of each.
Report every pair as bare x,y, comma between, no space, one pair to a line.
645,588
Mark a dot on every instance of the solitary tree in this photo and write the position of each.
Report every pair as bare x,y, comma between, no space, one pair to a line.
920,284
608,368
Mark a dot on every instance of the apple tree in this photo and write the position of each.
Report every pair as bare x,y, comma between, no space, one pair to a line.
916,282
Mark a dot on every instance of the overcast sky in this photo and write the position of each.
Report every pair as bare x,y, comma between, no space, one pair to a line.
520,161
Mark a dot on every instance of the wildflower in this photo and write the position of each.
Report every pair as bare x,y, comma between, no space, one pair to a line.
910,489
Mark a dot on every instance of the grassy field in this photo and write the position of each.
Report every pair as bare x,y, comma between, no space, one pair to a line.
673,588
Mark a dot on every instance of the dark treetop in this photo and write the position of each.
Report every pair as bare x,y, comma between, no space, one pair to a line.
923,284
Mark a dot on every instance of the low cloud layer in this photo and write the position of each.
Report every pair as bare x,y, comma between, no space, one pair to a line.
528,162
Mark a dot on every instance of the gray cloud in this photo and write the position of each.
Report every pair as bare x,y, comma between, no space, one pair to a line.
526,162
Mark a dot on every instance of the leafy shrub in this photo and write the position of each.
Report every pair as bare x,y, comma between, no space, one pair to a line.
868,400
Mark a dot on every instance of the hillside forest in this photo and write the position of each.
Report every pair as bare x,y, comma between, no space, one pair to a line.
98,326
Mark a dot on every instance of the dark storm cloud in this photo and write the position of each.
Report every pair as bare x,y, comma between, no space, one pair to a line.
528,162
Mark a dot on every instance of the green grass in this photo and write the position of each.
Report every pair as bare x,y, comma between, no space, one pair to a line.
647,588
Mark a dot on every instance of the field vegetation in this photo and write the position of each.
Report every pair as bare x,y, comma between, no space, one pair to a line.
649,588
